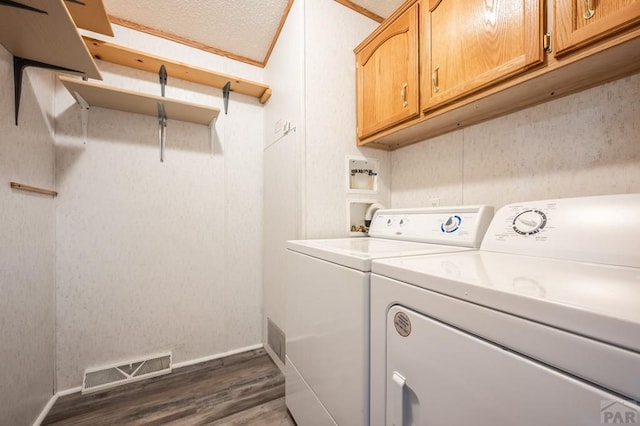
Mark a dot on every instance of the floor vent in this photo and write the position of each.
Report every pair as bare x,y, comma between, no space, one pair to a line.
97,379
276,339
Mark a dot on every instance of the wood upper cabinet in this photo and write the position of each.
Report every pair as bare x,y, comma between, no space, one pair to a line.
581,22
467,45
479,59
387,85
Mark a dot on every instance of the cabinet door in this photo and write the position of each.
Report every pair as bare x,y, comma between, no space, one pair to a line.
581,22
387,76
471,44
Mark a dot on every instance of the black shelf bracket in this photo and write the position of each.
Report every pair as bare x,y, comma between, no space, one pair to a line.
162,75
162,113
225,96
19,64
17,5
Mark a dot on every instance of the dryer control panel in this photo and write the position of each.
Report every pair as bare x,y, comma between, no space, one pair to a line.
601,229
461,226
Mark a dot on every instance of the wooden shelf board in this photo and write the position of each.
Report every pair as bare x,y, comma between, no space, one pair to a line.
91,16
29,188
51,38
101,95
140,60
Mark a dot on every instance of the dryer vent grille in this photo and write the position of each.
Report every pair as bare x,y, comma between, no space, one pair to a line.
96,379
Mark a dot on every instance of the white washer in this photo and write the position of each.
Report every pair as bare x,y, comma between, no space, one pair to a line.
327,345
541,326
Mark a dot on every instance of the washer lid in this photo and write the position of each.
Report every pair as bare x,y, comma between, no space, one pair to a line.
357,253
598,301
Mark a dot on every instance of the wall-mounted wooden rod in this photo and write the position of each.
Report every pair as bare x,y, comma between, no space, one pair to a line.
22,187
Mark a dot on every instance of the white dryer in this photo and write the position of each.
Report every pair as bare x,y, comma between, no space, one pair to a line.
541,326
327,293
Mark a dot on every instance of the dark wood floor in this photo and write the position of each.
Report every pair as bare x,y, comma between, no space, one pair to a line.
242,389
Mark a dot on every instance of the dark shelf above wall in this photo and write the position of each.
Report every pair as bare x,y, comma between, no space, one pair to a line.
90,15
42,34
50,37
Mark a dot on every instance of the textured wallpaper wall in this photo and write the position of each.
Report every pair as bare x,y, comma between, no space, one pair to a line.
332,31
151,256
584,144
312,71
26,247
283,167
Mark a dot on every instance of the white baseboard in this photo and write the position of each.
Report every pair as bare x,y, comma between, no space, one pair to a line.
45,410
52,400
216,356
70,391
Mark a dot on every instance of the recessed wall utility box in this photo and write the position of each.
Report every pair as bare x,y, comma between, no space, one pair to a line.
362,175
356,210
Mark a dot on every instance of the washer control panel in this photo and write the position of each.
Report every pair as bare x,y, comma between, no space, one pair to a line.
452,224
463,225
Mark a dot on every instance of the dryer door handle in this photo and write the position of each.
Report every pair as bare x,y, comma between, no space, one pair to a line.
395,412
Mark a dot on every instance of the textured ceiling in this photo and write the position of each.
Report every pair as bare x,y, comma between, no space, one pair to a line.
382,8
244,30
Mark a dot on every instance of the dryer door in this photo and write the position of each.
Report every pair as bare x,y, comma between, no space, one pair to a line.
438,375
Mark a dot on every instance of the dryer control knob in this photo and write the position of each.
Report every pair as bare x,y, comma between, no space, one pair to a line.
529,222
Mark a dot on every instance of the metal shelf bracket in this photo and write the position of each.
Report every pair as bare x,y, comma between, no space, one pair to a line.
225,96
84,115
19,64
162,113
162,129
212,135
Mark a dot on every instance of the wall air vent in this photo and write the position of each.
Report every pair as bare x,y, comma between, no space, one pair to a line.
105,377
276,339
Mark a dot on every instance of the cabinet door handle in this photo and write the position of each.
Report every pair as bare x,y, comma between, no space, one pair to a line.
588,12
403,95
434,79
